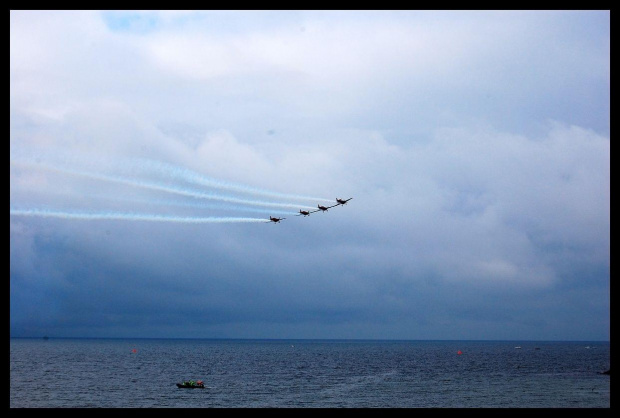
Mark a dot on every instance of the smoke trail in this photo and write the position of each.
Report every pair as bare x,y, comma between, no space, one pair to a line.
169,202
197,205
162,187
128,216
197,178
135,165
201,205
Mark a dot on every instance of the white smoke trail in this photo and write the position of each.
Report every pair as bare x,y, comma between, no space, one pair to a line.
160,187
197,178
128,216
196,205
135,166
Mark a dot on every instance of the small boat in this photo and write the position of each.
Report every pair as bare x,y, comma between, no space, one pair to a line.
191,384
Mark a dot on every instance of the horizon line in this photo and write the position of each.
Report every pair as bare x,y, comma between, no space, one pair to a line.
45,337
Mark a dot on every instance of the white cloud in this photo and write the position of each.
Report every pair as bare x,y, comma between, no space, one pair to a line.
482,198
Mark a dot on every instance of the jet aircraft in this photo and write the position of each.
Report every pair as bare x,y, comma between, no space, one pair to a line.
324,208
275,220
343,201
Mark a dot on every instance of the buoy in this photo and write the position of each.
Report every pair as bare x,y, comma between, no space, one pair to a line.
134,351
459,352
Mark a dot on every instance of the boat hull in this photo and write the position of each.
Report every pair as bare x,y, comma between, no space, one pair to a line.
180,385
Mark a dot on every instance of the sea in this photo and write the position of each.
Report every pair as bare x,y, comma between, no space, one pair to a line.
142,373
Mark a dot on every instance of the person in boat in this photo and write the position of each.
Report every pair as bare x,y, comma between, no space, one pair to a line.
193,383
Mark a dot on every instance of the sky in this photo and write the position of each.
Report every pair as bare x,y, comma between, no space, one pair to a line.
148,150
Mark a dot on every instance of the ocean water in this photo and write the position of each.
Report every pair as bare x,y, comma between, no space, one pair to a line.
142,373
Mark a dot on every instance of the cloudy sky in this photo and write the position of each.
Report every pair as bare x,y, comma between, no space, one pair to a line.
148,150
